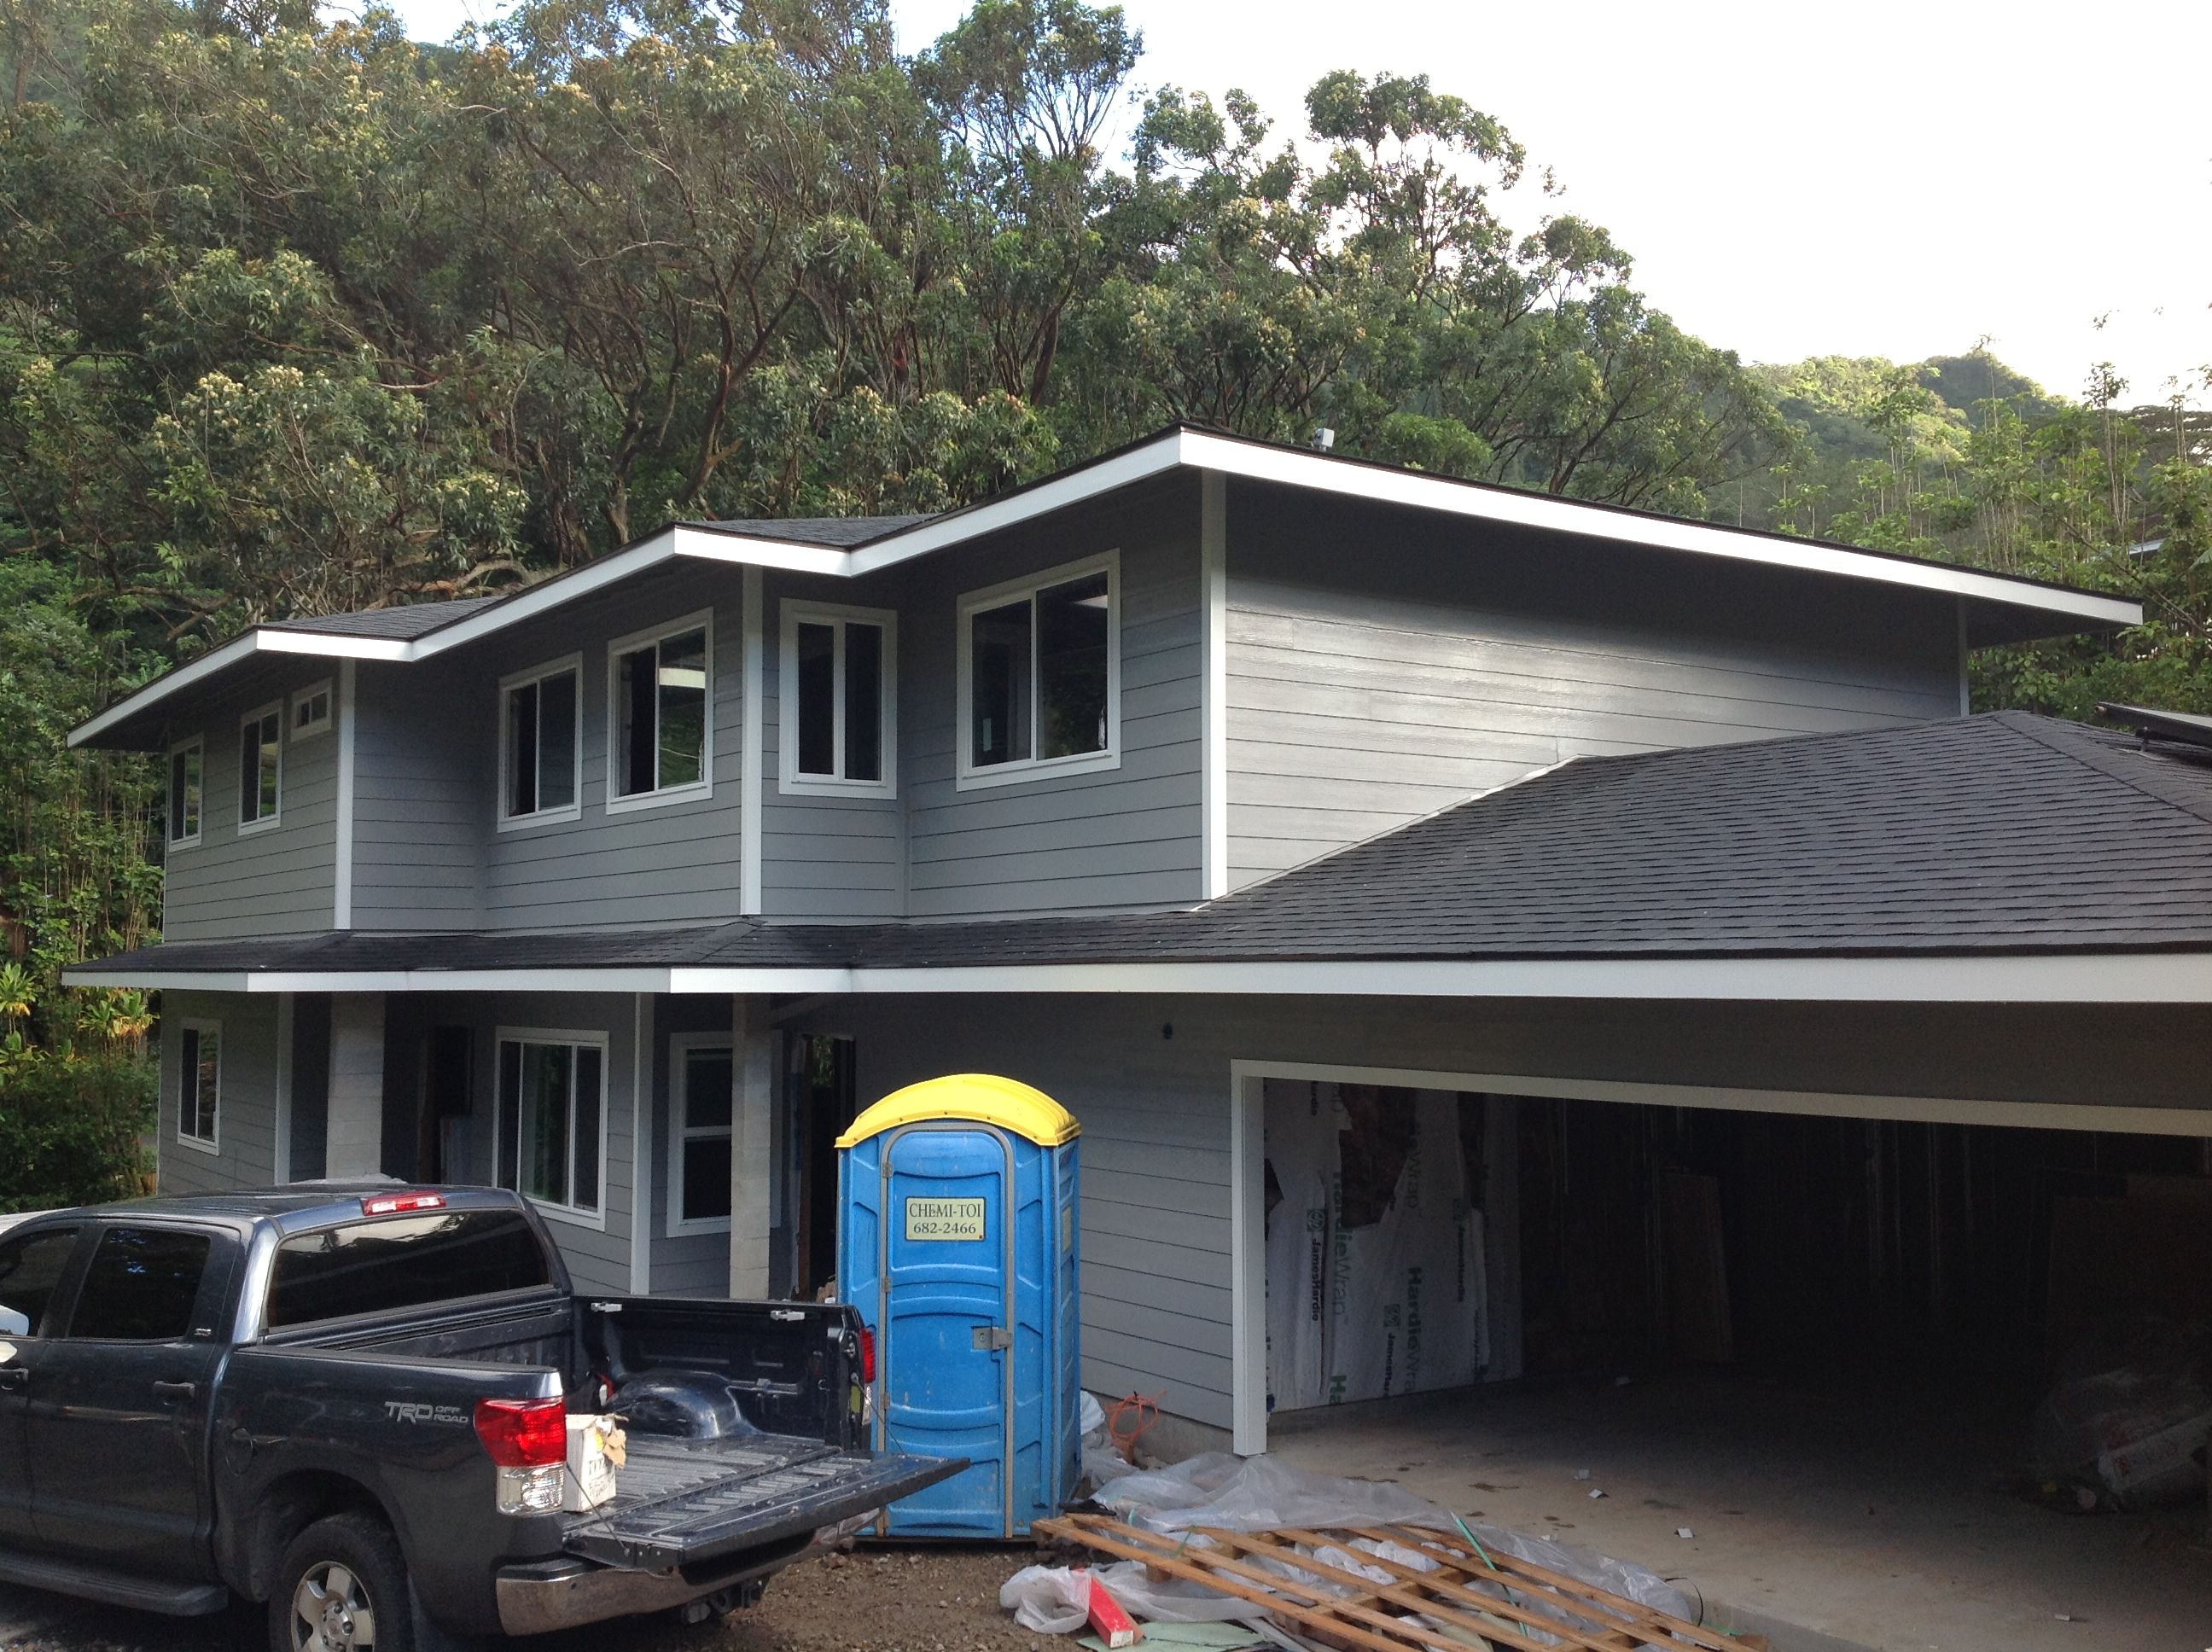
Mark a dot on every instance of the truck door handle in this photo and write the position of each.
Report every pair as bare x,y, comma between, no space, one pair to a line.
14,1382
176,1390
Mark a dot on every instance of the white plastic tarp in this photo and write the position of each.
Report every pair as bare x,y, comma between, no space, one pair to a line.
1359,1309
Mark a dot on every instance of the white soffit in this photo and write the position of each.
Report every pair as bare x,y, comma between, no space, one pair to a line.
2084,978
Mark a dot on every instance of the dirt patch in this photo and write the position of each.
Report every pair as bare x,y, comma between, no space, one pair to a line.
874,1600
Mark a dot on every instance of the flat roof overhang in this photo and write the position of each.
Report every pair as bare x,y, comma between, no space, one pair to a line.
2142,977
1993,607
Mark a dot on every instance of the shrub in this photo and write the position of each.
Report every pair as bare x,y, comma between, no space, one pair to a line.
71,1125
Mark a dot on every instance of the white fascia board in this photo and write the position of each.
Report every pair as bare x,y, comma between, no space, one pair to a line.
1152,458
1548,512
325,644
553,593
2098,978
645,979
696,979
750,550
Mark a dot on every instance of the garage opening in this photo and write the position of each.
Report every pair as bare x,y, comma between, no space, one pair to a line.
1792,1338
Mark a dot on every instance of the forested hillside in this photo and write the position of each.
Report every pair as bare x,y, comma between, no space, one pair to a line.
299,315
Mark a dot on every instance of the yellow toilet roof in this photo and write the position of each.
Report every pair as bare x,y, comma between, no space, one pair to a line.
1007,1103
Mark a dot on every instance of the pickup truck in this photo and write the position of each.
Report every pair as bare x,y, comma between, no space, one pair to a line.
350,1400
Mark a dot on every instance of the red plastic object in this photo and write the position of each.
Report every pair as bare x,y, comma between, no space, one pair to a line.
524,1433
1108,1621
392,1203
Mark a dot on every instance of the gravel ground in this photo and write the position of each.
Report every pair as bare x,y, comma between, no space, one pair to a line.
874,1599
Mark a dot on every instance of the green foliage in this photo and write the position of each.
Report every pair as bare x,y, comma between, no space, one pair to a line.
70,1126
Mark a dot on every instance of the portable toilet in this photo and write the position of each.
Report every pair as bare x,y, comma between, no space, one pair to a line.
957,1241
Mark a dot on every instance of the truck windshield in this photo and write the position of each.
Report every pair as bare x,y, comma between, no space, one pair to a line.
402,1261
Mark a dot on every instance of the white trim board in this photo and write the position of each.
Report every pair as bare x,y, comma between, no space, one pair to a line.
2080,978
1248,1160
1171,450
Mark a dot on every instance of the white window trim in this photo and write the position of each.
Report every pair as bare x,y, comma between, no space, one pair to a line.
293,729
791,780
1020,769
546,1207
572,809
199,743
693,790
680,1130
210,1144
276,817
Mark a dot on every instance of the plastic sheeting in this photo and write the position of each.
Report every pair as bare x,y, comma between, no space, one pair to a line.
1258,1494
1375,1281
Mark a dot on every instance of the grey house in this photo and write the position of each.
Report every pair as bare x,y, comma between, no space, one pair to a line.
1382,866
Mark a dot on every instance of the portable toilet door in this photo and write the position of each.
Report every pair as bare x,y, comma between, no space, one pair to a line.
951,1244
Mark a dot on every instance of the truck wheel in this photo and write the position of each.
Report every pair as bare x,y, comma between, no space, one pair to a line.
342,1587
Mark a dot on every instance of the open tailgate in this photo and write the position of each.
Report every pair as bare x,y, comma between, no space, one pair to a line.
684,1503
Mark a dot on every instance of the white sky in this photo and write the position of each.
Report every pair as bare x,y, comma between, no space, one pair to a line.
1890,178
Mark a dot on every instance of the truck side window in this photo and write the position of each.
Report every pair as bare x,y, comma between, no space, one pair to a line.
142,1285
30,1269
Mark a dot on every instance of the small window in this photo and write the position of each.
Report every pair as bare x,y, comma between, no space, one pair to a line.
199,1084
541,750
838,699
1039,675
661,744
701,1074
260,767
140,1286
311,710
552,1120
186,764
30,1273
404,1262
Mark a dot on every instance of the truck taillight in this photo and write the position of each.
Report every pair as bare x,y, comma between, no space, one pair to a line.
867,1355
524,1433
393,1204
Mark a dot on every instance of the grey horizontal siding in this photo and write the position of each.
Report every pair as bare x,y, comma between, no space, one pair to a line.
245,1098
1384,665
280,880
421,799
1128,836
684,1264
1156,1275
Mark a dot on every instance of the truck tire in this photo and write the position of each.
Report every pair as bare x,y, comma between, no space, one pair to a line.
342,1586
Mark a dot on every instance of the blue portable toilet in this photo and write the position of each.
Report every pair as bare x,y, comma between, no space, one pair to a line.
957,1241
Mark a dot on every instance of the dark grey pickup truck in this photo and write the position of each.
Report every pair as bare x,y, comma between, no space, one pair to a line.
351,1401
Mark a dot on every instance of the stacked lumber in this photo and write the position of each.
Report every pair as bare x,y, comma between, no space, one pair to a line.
1471,1598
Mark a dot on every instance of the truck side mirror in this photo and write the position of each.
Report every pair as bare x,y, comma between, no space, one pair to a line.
14,1323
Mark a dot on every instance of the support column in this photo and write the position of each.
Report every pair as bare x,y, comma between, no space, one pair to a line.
752,1152
354,1146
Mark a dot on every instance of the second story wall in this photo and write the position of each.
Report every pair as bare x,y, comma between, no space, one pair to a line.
1382,665
431,852
279,879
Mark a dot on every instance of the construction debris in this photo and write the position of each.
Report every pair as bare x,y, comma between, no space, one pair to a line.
1395,1588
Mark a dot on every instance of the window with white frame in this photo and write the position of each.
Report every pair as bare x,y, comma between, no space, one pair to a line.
541,743
187,766
838,699
199,1084
701,1073
311,710
659,722
552,1122
1039,674
260,767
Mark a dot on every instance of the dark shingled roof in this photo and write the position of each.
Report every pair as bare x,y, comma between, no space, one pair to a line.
403,623
843,531
2001,833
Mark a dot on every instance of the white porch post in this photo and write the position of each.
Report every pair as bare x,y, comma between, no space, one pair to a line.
752,1152
354,1146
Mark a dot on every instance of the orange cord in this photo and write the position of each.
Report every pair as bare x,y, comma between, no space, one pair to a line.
1127,1444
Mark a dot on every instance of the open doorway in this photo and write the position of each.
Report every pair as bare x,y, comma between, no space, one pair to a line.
822,1098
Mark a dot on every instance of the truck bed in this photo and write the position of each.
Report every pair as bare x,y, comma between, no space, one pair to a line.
688,1503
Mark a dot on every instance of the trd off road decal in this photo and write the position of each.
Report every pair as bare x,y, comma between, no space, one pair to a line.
421,1411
